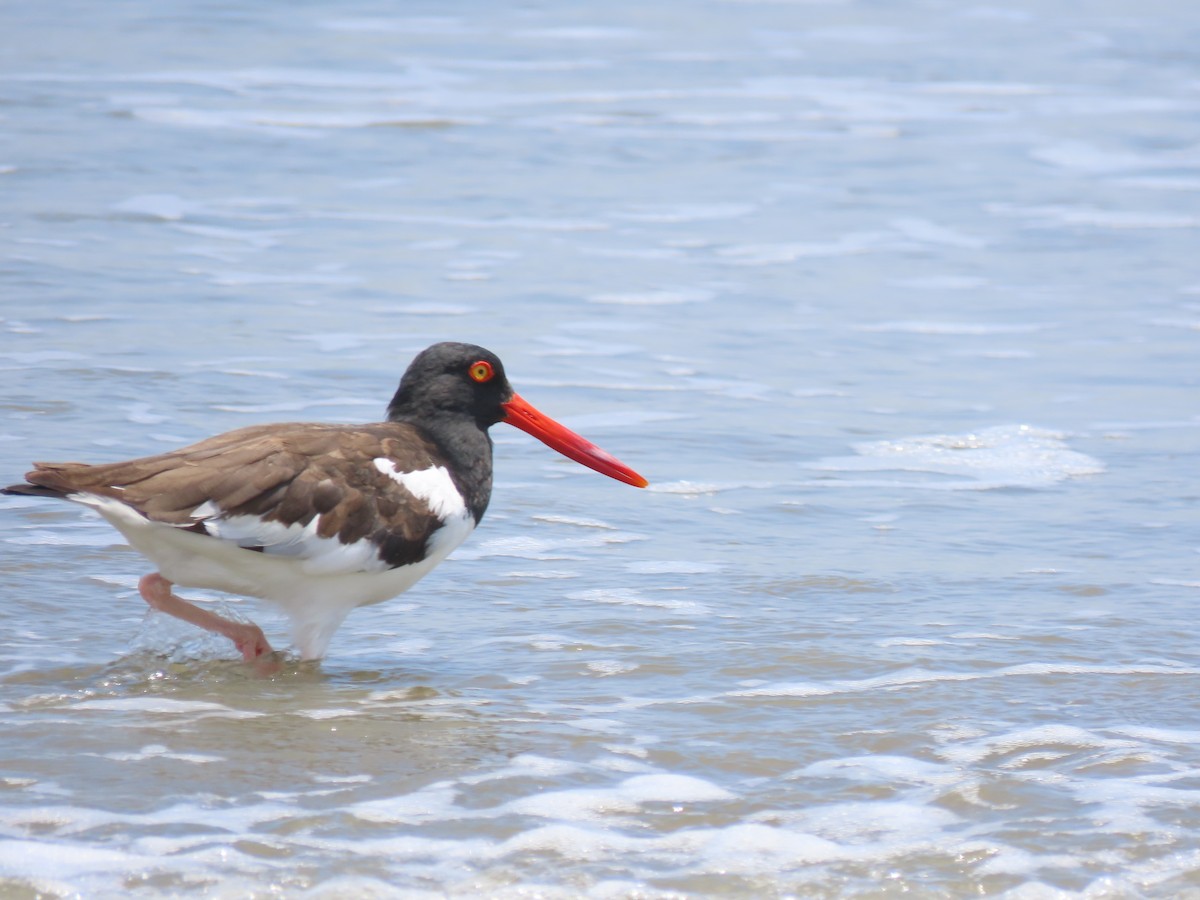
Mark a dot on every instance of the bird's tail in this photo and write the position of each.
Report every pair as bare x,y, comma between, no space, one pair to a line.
33,490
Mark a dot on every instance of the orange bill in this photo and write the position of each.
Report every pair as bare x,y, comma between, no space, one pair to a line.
558,437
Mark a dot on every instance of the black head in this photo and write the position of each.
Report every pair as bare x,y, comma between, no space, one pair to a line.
450,385
453,378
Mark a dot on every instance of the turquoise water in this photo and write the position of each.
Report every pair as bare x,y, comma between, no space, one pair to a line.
895,306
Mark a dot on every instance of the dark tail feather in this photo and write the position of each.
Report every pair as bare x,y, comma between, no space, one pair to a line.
33,490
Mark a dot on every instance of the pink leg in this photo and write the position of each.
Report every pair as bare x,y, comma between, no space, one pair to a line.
247,637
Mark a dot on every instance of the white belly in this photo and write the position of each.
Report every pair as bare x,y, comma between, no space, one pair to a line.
316,601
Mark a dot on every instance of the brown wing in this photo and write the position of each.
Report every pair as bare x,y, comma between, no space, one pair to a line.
287,474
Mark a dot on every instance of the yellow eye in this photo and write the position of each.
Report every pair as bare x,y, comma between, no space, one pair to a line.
482,371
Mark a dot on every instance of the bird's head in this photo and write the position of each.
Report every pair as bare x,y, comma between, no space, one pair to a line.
453,379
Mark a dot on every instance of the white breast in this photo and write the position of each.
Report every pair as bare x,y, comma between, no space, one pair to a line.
317,581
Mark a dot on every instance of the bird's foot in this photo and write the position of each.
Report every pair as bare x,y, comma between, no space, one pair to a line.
255,649
246,636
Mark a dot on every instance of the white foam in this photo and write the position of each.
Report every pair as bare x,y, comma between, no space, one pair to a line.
908,642
43,357
693,488
608,667
1042,738
168,207
630,597
1162,183
1051,214
159,751
768,254
496,223
439,801
527,765
881,769
598,725
257,239
1186,324
547,549
398,24
167,706
430,804
61,538
927,232
233,278
1086,157
292,122
951,329
1004,456
656,297
58,871
685,212
1158,735
755,849
1126,792
571,842
140,414
944,282
409,647
916,677
553,519
1173,582
321,714
625,797
240,818
881,827
584,33
672,567
290,406
425,309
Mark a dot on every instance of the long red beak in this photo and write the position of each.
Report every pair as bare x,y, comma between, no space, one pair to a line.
558,437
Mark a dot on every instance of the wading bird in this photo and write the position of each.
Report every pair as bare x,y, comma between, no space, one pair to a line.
319,519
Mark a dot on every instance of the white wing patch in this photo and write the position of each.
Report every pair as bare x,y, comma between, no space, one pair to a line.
317,555
206,510
434,486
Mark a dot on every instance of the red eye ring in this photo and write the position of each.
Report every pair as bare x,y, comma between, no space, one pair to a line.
481,371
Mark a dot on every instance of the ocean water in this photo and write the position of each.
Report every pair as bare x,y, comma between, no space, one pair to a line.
897,307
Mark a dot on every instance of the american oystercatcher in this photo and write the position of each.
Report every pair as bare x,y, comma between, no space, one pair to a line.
319,519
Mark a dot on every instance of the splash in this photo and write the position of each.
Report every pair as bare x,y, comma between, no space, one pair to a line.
1005,456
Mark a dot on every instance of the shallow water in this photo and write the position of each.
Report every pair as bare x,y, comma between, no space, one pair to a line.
895,306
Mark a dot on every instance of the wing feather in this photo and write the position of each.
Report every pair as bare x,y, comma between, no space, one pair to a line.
308,491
